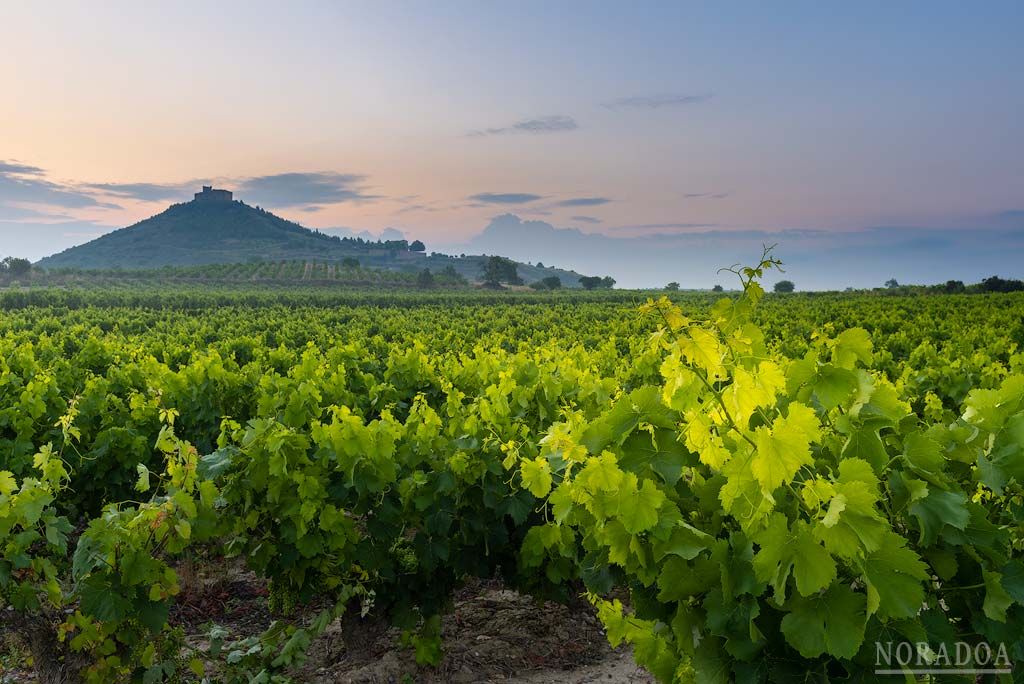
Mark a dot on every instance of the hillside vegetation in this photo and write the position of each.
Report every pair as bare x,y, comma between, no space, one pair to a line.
346,273
232,232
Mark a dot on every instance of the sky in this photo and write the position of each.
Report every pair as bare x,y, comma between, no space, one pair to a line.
640,122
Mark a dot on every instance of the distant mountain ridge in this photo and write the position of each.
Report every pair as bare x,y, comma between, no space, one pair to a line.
215,229
861,258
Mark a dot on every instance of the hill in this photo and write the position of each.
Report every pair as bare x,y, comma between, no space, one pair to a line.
221,230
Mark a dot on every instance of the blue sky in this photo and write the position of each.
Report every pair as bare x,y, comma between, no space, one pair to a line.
621,119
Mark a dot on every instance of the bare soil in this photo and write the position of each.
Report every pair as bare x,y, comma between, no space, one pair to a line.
491,635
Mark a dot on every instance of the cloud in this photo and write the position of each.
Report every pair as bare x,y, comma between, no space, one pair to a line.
544,124
582,202
585,219
147,192
305,190
410,208
656,101
415,204
22,184
19,168
706,195
645,227
294,189
505,197
12,213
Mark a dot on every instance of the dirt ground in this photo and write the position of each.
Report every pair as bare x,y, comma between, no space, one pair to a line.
492,635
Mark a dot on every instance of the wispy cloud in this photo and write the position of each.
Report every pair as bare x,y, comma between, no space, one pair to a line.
644,227
295,189
27,193
505,197
657,101
13,213
582,202
586,219
705,195
418,208
306,190
22,184
544,124
146,192
19,168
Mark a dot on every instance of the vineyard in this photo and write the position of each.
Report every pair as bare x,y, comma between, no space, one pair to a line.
743,487
345,273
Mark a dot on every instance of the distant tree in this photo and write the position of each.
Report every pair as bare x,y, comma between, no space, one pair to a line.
784,286
548,283
717,288
997,284
540,264
672,287
350,262
954,287
417,246
892,283
425,280
451,274
499,270
15,267
596,283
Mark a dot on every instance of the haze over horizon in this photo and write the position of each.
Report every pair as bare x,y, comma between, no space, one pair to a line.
879,141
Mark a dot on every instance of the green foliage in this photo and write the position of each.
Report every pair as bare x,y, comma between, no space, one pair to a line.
15,267
106,603
499,270
597,283
826,540
997,284
425,280
784,286
548,283
774,482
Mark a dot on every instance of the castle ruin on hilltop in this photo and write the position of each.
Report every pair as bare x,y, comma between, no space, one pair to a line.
210,195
